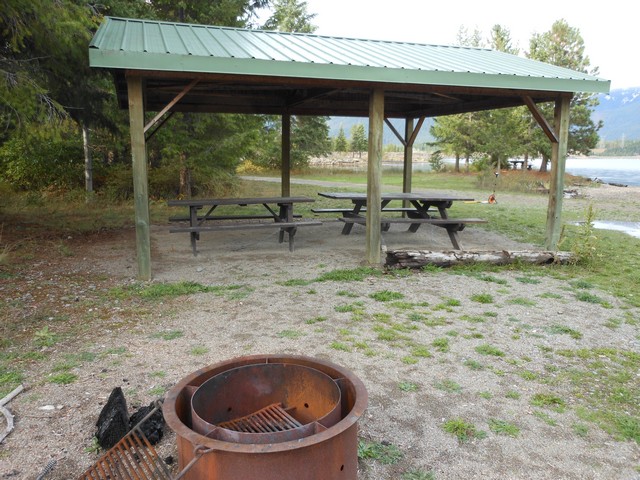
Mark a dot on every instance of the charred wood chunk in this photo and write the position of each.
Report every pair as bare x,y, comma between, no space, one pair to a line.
153,427
113,422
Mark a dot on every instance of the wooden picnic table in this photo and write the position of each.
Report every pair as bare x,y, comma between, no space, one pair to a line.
422,210
279,209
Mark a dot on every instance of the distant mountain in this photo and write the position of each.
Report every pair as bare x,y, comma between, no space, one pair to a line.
619,110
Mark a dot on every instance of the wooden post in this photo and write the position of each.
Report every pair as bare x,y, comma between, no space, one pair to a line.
374,177
285,186
88,162
140,182
408,157
558,162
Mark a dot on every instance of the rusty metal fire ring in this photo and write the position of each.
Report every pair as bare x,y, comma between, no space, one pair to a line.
266,403
177,404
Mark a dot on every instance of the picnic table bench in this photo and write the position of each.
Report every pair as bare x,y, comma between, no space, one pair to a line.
280,210
421,212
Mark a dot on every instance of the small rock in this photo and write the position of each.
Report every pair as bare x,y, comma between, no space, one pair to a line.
47,408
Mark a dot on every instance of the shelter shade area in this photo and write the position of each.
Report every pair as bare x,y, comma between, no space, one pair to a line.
170,67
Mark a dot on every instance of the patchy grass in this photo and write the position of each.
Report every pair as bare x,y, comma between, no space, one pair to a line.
448,386
563,329
408,386
169,335
290,334
418,474
464,431
383,452
386,296
548,400
64,378
502,427
349,275
486,349
441,344
482,298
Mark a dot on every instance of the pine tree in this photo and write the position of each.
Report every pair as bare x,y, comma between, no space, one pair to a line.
341,143
359,142
564,46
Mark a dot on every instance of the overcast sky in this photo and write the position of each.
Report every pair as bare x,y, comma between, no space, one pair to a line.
610,34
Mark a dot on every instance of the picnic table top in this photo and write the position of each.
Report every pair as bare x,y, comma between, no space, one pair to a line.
395,196
194,202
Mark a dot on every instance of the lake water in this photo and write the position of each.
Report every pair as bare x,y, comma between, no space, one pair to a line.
625,171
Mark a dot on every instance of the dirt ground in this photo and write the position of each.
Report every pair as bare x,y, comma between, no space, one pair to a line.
418,356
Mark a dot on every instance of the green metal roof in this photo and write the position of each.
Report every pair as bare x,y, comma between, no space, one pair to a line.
254,71
162,46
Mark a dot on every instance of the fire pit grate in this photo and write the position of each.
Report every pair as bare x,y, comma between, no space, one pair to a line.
133,457
273,418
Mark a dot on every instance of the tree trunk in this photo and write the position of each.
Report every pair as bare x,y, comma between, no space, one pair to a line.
466,163
88,161
185,179
457,163
544,163
420,258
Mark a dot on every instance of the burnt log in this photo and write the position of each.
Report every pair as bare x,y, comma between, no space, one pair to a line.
153,427
420,258
113,422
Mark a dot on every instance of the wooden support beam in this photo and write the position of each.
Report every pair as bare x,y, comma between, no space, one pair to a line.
285,172
542,121
140,179
415,132
170,105
374,177
402,139
558,162
407,169
159,125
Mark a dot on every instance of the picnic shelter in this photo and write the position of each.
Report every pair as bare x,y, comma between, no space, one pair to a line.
167,67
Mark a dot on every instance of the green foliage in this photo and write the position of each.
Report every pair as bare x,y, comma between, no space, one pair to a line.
290,16
169,335
482,297
383,452
441,344
417,474
548,400
502,427
352,275
436,161
584,245
45,338
64,378
44,158
340,142
386,296
448,385
486,349
309,138
359,141
156,291
463,430
563,329
408,386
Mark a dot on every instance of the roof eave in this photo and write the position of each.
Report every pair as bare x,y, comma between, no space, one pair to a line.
145,61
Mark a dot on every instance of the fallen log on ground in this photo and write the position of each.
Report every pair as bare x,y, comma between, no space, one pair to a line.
420,258
6,413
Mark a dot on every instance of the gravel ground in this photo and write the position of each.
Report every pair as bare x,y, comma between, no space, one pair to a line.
423,357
